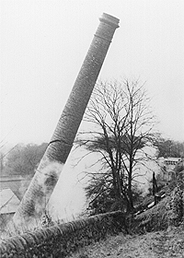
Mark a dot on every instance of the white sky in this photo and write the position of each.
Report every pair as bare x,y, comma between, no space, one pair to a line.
43,45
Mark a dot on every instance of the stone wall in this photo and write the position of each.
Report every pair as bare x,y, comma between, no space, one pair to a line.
63,239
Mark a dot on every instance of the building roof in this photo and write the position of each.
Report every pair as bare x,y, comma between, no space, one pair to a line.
8,201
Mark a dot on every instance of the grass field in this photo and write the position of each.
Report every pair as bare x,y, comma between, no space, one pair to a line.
160,244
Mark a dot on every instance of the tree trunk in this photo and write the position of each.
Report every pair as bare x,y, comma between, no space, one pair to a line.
130,206
42,185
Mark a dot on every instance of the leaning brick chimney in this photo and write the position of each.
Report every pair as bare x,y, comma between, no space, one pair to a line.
42,185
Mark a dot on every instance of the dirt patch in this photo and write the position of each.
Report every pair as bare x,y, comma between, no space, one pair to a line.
161,244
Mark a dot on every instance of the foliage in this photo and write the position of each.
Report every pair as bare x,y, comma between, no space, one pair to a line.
169,148
170,210
123,126
102,196
153,219
176,203
23,159
176,206
179,168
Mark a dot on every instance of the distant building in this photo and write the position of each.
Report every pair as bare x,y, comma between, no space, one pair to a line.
17,184
170,162
168,165
9,203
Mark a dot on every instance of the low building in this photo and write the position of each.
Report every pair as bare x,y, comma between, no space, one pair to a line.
171,162
167,166
9,203
17,184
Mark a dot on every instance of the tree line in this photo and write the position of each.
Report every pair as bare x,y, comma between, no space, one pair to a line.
22,159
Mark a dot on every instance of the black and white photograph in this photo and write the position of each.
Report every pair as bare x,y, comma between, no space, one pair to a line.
92,128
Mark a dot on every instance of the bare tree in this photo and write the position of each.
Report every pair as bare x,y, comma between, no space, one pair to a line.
122,125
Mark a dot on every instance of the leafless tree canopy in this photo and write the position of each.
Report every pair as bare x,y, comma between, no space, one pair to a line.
122,125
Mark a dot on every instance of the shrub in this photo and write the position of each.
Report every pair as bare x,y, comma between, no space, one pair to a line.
176,206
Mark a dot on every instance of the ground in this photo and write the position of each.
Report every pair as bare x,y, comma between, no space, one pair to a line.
161,244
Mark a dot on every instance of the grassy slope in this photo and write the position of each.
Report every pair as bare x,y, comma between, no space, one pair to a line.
166,243
156,218
161,244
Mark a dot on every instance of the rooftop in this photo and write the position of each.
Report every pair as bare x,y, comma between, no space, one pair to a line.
8,201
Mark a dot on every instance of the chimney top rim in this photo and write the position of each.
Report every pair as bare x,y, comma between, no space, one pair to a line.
110,19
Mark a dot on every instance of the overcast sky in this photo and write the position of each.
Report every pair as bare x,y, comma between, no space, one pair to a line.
43,45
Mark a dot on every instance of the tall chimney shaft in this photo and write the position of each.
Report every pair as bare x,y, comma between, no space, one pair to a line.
50,167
